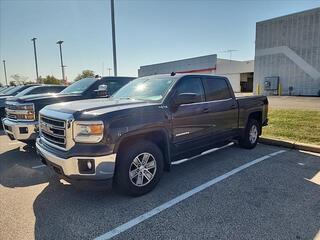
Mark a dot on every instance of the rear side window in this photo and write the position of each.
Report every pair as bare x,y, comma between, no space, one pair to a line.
114,86
38,90
191,85
216,89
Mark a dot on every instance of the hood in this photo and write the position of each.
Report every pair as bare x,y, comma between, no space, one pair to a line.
44,96
97,106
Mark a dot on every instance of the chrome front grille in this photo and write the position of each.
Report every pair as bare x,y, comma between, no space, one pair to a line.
53,131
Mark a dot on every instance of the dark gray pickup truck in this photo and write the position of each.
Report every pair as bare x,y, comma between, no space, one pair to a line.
144,127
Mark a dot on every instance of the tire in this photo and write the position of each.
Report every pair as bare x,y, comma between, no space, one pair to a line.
251,135
139,168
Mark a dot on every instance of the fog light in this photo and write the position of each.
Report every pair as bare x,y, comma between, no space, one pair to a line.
89,165
86,166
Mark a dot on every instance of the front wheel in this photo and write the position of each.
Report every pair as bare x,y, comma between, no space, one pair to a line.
139,168
251,135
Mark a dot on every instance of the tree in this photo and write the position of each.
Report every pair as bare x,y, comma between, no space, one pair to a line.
84,74
50,80
19,79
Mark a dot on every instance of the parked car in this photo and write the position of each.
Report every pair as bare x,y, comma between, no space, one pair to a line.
2,89
21,122
11,91
14,90
145,126
5,89
41,89
34,89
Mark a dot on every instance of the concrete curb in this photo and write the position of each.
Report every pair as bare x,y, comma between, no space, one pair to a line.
290,144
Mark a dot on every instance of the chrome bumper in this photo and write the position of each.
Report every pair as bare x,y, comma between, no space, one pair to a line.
103,167
20,130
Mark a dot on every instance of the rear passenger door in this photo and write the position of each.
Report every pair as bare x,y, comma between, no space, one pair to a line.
223,108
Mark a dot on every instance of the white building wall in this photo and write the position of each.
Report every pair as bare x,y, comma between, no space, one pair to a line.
222,67
234,79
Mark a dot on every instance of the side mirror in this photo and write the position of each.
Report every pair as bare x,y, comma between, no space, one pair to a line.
102,91
186,98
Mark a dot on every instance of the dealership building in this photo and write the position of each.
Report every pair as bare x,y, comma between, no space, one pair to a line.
287,55
240,73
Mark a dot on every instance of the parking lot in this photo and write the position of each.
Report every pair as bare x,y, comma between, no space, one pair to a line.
231,193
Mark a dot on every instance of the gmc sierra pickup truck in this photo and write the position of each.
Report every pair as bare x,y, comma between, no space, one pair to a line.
144,127
21,122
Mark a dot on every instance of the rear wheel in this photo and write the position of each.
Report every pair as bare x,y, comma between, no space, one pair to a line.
139,168
251,134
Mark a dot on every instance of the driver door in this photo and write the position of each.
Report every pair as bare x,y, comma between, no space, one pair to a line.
190,122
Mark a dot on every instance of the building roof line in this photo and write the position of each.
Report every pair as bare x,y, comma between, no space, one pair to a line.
289,15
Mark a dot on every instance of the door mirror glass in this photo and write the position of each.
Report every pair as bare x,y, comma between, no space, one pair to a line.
102,91
186,98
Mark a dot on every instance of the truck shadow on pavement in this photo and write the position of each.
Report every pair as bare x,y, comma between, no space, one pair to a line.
16,168
84,212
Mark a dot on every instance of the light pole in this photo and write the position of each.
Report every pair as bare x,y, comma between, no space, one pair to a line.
5,71
109,69
35,57
114,40
62,66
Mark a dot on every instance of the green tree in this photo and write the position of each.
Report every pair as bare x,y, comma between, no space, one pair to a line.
84,74
50,80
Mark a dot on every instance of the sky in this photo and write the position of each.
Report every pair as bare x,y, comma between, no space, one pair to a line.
147,32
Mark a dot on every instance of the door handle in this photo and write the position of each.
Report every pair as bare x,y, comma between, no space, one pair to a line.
206,110
233,106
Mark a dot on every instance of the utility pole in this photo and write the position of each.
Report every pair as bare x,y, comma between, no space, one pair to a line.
109,69
114,40
35,57
5,71
61,60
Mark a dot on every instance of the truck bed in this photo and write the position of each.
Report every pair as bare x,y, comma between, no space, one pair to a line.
249,104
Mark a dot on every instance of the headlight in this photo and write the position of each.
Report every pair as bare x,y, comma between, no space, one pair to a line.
27,116
21,111
88,131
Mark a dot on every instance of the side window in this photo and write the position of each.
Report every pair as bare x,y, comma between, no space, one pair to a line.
114,86
38,90
191,85
55,89
216,89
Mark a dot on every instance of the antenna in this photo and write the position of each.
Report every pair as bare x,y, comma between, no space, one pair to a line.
230,51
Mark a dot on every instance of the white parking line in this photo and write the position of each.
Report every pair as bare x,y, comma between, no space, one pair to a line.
38,166
180,198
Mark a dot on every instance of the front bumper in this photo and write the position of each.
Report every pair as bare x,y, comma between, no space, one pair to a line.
76,167
20,130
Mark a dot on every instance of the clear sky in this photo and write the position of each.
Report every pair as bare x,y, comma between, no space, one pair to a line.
147,32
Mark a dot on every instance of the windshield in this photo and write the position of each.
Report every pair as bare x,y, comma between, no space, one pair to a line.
14,90
26,91
145,88
79,86
7,90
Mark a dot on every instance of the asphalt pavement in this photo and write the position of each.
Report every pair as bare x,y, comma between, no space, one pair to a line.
232,193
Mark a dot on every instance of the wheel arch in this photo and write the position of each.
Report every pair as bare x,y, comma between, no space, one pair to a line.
160,137
256,115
